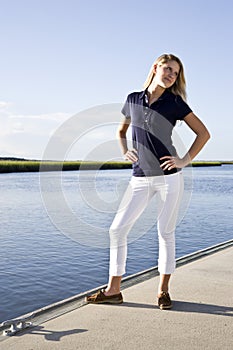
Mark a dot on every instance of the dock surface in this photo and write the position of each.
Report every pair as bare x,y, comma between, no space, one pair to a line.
201,318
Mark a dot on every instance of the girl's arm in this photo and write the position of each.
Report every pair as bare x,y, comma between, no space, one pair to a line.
130,155
202,136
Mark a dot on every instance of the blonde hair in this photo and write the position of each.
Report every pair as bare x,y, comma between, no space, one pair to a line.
179,87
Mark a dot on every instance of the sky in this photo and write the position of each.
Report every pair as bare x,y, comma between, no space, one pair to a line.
61,59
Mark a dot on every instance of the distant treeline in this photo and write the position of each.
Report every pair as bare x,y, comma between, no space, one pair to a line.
10,165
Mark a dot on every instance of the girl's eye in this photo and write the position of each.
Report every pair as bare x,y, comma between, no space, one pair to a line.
170,70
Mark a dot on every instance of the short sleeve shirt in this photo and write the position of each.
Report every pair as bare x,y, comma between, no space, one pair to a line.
152,128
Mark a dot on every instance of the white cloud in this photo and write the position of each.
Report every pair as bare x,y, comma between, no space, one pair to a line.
4,105
26,135
51,116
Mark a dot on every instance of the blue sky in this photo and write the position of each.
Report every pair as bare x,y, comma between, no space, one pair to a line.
62,57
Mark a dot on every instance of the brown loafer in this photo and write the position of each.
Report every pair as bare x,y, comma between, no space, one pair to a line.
164,301
101,298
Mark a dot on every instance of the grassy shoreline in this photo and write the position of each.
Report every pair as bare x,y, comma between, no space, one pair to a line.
10,166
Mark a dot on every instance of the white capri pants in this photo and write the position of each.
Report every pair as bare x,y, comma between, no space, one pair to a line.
169,189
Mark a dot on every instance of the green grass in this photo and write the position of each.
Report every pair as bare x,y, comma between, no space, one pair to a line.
202,163
228,162
10,166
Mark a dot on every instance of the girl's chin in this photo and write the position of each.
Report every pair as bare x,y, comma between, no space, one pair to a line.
168,85
164,85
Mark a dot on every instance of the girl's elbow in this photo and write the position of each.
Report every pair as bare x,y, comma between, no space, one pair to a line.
204,134
207,135
121,134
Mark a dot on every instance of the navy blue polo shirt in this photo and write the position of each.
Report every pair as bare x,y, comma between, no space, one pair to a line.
152,128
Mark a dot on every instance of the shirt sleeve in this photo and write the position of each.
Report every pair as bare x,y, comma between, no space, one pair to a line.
126,108
183,108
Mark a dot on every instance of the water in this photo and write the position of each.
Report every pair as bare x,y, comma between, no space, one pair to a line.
41,265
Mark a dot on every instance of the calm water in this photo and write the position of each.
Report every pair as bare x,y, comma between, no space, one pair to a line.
49,252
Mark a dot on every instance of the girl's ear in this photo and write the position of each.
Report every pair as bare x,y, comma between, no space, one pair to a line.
154,68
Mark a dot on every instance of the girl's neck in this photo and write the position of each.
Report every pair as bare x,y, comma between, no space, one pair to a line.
155,89
154,93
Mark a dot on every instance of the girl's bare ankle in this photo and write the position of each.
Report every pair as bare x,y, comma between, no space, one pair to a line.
160,292
111,291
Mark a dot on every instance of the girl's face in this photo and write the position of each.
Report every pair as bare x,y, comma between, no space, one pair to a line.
166,73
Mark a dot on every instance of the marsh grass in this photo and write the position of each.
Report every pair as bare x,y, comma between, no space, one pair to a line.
207,163
12,166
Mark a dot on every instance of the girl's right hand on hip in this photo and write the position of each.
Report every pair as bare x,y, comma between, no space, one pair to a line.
131,155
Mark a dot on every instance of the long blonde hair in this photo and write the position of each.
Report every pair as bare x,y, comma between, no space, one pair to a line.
179,87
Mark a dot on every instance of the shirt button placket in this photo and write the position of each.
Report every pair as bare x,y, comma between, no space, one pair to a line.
146,113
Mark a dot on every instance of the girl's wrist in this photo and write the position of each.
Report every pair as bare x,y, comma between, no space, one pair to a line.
186,160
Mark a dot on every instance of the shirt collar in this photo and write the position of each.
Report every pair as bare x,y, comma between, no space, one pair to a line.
142,94
165,94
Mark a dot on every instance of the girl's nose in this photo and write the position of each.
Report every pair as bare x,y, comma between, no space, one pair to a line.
172,74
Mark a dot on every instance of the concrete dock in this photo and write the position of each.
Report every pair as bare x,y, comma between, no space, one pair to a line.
201,318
